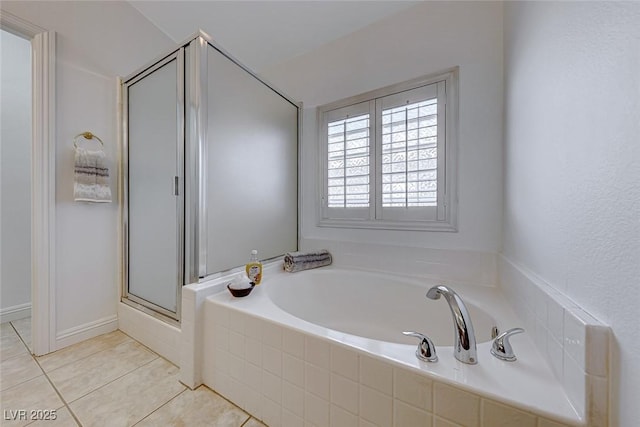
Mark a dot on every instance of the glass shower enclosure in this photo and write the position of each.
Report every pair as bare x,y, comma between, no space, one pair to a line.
209,172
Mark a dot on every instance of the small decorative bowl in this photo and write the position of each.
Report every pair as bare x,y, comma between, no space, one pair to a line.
240,292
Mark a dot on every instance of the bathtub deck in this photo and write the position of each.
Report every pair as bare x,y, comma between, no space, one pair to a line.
246,340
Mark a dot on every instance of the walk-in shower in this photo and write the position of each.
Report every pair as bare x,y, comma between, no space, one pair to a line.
210,171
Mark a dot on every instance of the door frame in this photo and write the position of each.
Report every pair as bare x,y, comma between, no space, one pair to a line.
43,182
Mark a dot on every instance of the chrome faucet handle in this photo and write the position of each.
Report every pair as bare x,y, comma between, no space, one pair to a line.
426,350
501,347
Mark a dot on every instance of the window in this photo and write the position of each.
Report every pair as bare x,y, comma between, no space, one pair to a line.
388,157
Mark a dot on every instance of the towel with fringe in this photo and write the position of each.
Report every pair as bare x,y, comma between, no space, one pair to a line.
91,177
298,261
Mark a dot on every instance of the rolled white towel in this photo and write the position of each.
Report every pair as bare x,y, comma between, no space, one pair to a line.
298,261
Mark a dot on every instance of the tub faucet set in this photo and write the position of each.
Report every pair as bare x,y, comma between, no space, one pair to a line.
464,347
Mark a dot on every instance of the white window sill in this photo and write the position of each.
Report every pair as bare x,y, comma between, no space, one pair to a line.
389,225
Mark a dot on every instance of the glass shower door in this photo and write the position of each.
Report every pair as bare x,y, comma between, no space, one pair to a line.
154,189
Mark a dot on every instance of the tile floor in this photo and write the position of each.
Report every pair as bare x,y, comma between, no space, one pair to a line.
110,380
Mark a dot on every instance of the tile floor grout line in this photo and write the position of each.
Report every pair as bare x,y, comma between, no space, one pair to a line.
20,336
67,404
21,340
86,356
150,349
161,406
104,351
20,355
58,392
33,357
115,379
223,397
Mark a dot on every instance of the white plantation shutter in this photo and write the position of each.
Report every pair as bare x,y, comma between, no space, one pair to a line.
389,162
410,155
348,171
348,162
412,150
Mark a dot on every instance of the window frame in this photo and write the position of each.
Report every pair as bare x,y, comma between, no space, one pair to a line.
443,217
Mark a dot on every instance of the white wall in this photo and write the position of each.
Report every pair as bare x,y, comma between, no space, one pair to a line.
96,41
423,39
15,179
572,165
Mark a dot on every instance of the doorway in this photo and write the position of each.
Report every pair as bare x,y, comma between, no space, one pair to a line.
42,185
15,184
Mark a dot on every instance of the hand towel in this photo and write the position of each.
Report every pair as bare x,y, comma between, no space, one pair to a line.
298,261
91,177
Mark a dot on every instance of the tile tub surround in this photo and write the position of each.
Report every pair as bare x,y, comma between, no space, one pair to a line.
574,343
285,374
459,266
285,377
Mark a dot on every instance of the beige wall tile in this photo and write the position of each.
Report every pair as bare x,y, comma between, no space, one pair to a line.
441,422
271,412
375,407
413,388
497,415
344,393
236,321
341,418
376,374
543,422
364,423
456,405
272,335
293,398
317,352
293,369
253,328
272,360
289,419
344,362
317,381
293,343
272,386
406,415
253,351
316,410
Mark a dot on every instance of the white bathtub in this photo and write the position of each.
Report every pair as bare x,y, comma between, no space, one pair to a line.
371,305
305,338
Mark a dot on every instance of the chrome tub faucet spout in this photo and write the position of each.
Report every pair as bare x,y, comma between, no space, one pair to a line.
465,340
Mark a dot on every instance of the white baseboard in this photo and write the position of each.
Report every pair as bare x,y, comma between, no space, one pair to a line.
84,332
15,312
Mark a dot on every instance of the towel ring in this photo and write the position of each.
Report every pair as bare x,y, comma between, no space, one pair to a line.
86,135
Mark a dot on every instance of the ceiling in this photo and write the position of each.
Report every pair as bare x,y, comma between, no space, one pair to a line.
263,33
